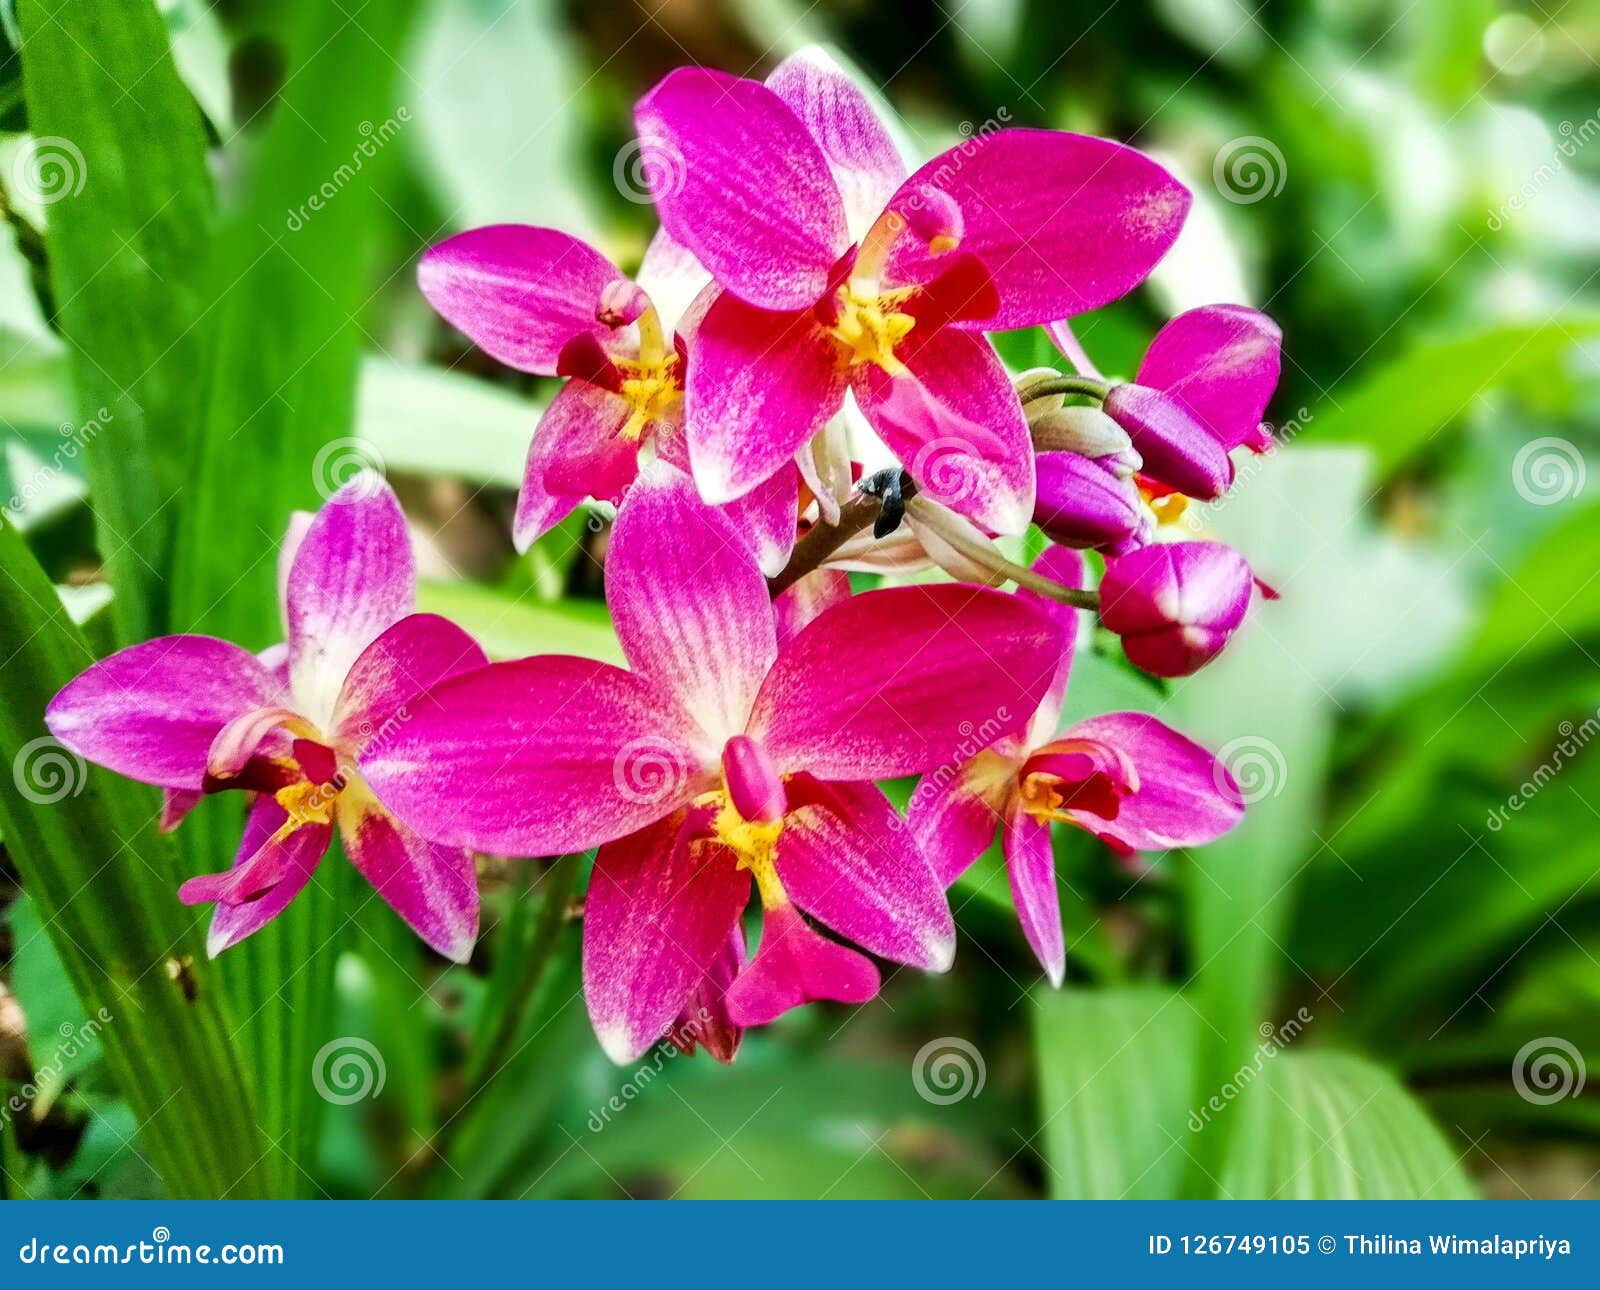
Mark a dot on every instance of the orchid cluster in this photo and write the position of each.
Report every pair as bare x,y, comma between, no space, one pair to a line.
797,385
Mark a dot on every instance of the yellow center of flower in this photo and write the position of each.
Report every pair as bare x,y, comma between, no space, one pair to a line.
1042,799
869,325
652,390
1169,507
753,842
308,803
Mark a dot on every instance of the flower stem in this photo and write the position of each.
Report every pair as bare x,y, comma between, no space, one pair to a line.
823,540
931,516
1059,385
559,880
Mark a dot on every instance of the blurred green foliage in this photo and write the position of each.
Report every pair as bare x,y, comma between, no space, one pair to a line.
1409,188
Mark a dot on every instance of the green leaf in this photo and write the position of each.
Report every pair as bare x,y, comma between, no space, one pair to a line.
1329,1126
1398,409
291,282
129,234
103,881
1116,1069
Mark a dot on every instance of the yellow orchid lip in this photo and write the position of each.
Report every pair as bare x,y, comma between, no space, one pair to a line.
869,326
652,390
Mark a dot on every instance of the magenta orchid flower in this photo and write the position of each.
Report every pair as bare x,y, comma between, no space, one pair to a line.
721,759
194,714
543,302
841,273
1125,777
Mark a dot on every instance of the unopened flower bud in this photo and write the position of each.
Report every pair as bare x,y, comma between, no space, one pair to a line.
1080,502
1175,605
1177,450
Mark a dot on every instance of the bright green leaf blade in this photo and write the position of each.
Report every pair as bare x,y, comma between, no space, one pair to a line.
1399,409
1116,1068
509,627
1329,1126
104,882
129,231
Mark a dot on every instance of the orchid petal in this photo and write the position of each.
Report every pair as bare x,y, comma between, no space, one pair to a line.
353,577
1185,796
740,183
673,279
839,116
659,911
1221,363
1063,222
1031,866
577,451
536,757
805,601
302,851
520,293
433,886
705,1019
759,385
954,812
895,682
848,860
768,518
151,711
794,966
417,652
689,604
955,421
1065,567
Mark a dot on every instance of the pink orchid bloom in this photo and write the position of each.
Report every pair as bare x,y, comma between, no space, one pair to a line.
841,273
721,759
1125,777
194,714
543,302
1201,391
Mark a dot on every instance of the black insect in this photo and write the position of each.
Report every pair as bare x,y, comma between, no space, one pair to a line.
891,487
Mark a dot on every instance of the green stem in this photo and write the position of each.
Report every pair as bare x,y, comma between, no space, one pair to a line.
1063,385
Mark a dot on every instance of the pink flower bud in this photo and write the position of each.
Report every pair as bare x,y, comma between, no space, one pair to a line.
1175,605
1081,502
1176,449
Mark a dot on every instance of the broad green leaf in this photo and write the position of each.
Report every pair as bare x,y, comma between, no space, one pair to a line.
1399,409
104,883
1330,1126
62,1038
291,282
434,422
129,231
1116,1072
